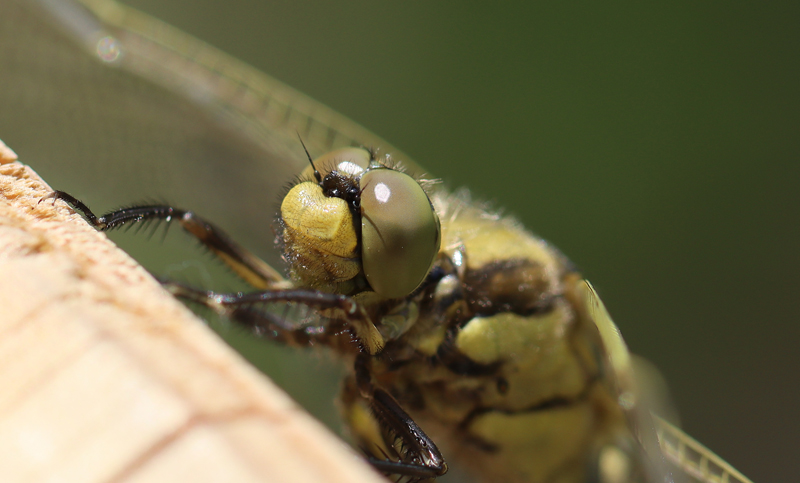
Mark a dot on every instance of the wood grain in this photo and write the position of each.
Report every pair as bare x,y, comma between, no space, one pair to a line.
105,377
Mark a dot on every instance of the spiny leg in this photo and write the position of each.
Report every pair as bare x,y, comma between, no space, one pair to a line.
251,268
244,263
411,452
247,309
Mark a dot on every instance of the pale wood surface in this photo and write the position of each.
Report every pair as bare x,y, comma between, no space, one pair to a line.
105,377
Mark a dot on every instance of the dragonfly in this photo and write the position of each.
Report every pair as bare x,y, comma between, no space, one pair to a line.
270,115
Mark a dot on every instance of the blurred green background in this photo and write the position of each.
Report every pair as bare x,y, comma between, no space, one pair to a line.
655,144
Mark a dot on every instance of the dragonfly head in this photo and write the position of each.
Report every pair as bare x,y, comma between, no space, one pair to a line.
354,224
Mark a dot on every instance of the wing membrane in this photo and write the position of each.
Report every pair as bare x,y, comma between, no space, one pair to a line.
692,458
171,118
669,450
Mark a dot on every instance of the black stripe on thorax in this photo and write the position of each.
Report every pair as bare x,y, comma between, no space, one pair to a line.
554,402
519,285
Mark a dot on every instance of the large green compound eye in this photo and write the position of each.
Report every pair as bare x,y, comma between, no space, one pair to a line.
353,161
400,232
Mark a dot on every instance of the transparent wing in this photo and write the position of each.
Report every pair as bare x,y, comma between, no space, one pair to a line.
118,106
265,110
670,454
692,458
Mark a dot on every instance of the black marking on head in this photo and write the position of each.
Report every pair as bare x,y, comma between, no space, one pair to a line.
342,185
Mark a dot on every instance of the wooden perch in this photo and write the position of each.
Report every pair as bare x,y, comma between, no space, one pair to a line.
105,377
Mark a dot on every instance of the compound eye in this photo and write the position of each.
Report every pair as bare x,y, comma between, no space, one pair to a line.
352,161
400,232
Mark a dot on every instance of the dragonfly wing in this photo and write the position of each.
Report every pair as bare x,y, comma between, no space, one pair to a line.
697,462
118,105
670,454
619,364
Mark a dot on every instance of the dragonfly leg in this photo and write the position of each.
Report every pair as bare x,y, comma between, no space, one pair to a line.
241,308
244,263
251,310
393,442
